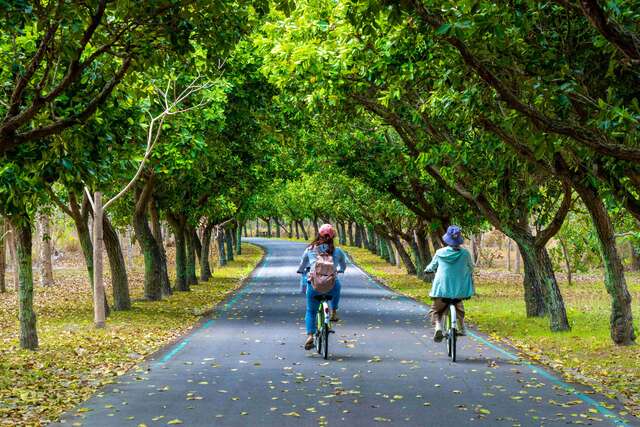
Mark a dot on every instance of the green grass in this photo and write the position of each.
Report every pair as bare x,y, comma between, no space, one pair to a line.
585,354
74,358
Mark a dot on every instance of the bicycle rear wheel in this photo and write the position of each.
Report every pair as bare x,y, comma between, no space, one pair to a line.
325,341
320,326
447,331
451,343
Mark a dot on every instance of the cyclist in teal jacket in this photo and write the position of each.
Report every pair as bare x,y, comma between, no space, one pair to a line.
453,266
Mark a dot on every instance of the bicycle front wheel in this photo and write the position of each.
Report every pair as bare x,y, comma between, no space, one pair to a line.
319,335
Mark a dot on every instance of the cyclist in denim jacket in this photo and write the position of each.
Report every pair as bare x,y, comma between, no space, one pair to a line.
324,244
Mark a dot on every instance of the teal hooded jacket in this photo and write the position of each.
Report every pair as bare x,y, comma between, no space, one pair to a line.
454,273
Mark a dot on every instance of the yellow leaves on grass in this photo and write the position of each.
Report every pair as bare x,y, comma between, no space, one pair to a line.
75,359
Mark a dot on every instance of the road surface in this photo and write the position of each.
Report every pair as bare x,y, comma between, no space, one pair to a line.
246,367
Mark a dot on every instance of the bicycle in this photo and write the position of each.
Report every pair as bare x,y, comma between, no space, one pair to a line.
451,326
323,322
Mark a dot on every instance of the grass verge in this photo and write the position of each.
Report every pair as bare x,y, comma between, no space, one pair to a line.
585,354
74,358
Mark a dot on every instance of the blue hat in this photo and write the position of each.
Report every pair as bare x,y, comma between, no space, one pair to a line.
453,236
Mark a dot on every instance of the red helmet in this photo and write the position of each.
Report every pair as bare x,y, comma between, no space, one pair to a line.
327,230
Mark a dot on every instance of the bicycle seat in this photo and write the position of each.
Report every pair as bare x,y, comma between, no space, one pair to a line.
323,298
451,300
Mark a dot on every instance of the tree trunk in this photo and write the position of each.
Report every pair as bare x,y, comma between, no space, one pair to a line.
11,244
81,220
156,230
297,230
567,262
277,221
621,321
257,227
533,297
364,237
305,236
357,235
99,294
27,315
239,240
3,255
635,258
404,256
44,236
391,256
119,279
316,228
129,241
205,265
290,229
268,221
148,244
350,233
229,242
222,258
190,240
373,244
181,253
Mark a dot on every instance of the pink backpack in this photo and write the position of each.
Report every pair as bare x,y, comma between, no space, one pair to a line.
323,276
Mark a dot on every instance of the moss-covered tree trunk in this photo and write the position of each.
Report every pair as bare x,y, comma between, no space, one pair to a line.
229,241
205,265
388,247
181,253
156,230
197,243
148,244
222,257
27,315
635,258
533,296
3,255
373,243
239,239
621,320
297,229
192,279
119,280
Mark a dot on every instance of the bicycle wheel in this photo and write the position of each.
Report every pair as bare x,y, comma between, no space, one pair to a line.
447,332
320,325
452,339
325,341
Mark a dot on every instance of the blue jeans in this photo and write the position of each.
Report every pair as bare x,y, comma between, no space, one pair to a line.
312,304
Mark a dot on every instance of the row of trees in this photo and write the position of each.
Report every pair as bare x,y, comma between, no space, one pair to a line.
143,116
479,113
398,117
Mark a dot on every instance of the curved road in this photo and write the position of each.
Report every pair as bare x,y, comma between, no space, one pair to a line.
246,367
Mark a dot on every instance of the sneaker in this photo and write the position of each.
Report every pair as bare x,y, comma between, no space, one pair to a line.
438,336
308,344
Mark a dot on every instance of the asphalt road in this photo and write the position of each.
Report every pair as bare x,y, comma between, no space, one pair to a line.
246,367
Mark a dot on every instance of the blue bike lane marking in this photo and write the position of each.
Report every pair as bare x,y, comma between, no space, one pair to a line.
225,308
535,369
